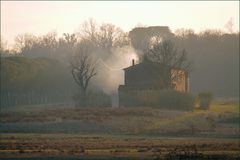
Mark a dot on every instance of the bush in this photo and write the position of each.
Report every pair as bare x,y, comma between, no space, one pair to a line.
92,99
171,99
205,99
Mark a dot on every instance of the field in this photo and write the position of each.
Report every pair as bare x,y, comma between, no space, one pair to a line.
61,132
134,147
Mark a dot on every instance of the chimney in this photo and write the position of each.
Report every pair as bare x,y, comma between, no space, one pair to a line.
133,62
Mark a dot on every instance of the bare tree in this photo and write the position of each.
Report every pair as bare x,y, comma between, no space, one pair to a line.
3,50
140,37
83,70
36,46
25,42
104,36
70,39
110,36
49,40
88,31
229,25
66,47
166,54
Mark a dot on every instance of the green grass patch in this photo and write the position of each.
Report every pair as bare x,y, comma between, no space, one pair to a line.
224,107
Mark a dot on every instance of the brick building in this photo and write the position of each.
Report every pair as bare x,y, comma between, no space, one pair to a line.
143,82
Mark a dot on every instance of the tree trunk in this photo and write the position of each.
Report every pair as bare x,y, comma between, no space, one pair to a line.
81,98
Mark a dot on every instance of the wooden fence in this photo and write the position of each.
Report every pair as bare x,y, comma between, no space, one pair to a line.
30,98
33,98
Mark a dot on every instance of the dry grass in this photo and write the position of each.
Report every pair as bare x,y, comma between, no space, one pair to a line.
108,146
224,107
135,120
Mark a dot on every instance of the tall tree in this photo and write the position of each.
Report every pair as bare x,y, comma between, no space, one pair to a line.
24,43
141,37
110,36
36,46
83,70
66,47
103,37
166,54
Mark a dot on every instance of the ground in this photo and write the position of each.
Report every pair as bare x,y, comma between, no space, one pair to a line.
135,147
63,132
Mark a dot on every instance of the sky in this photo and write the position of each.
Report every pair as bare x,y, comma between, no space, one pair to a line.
41,17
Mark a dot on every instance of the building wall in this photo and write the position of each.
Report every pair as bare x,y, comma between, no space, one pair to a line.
164,99
128,98
144,76
180,80
143,85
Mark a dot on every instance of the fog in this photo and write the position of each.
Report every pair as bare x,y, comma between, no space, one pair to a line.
45,61
110,72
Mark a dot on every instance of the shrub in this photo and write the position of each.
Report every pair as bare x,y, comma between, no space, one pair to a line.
92,99
205,99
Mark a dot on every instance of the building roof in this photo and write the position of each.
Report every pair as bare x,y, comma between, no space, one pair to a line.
149,64
135,66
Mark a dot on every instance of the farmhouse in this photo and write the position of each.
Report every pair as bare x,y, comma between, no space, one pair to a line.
143,82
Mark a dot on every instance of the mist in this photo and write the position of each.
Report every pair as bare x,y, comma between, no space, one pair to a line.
212,53
110,72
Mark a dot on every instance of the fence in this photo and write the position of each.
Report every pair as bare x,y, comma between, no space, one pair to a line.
44,97
30,98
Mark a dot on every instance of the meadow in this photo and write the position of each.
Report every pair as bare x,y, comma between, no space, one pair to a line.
66,132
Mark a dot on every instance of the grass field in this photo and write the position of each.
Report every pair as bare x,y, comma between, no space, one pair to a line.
224,107
61,132
220,120
110,147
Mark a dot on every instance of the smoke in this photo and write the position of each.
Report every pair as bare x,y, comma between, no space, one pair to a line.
110,72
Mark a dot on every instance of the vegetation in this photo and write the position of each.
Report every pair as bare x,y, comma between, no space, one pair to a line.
65,146
39,65
214,54
222,107
205,99
142,132
221,120
32,81
83,70
165,53
22,73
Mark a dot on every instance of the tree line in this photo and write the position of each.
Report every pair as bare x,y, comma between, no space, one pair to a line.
43,62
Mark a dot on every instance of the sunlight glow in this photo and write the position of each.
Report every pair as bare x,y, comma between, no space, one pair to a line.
40,17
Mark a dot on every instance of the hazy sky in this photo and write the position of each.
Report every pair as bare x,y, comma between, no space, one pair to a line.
40,17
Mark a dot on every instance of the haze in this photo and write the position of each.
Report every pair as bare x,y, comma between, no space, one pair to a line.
42,17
